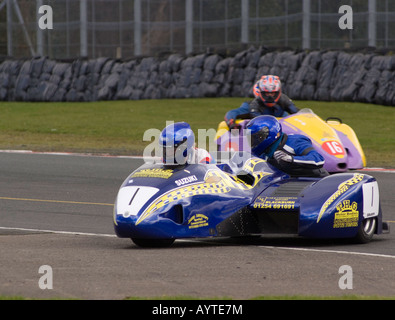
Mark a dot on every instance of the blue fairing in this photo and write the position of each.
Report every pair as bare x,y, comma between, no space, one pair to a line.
241,198
333,207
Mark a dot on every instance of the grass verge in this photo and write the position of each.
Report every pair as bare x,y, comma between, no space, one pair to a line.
117,127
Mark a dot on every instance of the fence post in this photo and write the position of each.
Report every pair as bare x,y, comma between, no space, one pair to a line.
306,36
39,32
244,21
23,25
188,26
83,30
9,27
372,23
137,28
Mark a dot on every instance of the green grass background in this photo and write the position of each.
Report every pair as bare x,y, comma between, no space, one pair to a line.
117,127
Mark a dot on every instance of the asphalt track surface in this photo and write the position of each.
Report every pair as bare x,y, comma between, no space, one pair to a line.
56,210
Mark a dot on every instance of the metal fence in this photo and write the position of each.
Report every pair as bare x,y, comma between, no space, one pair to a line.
126,28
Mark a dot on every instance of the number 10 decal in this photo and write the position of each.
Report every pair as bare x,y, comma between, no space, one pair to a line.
370,199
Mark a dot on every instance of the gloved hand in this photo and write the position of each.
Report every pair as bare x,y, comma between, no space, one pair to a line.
232,124
280,155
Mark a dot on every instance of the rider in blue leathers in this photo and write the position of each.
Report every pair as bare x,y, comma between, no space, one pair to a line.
269,100
294,154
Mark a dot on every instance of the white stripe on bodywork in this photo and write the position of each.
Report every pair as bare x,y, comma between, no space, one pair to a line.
309,162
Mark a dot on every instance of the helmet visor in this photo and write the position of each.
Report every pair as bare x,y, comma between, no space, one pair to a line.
258,137
175,154
270,97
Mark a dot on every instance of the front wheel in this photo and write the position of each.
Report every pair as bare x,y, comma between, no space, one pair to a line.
153,243
366,230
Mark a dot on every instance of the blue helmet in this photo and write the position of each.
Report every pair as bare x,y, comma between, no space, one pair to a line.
177,141
264,131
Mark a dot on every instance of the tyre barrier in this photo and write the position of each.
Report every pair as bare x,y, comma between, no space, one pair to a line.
306,75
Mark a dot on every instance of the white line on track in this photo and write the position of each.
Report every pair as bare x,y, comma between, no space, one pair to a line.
73,233
100,155
105,155
332,251
192,240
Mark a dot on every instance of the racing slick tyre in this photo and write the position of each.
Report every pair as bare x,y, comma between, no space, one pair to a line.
153,243
366,230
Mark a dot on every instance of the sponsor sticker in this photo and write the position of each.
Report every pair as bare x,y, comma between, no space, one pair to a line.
284,203
186,180
342,188
347,215
197,221
153,173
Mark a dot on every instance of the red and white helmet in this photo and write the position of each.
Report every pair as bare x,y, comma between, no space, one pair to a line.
268,89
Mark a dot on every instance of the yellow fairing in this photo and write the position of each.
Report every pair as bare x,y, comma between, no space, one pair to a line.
317,128
223,128
349,132
311,123
320,132
323,132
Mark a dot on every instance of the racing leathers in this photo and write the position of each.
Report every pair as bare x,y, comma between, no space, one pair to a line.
294,154
256,107
199,155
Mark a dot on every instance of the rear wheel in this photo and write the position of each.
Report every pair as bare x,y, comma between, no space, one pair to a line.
153,243
366,230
